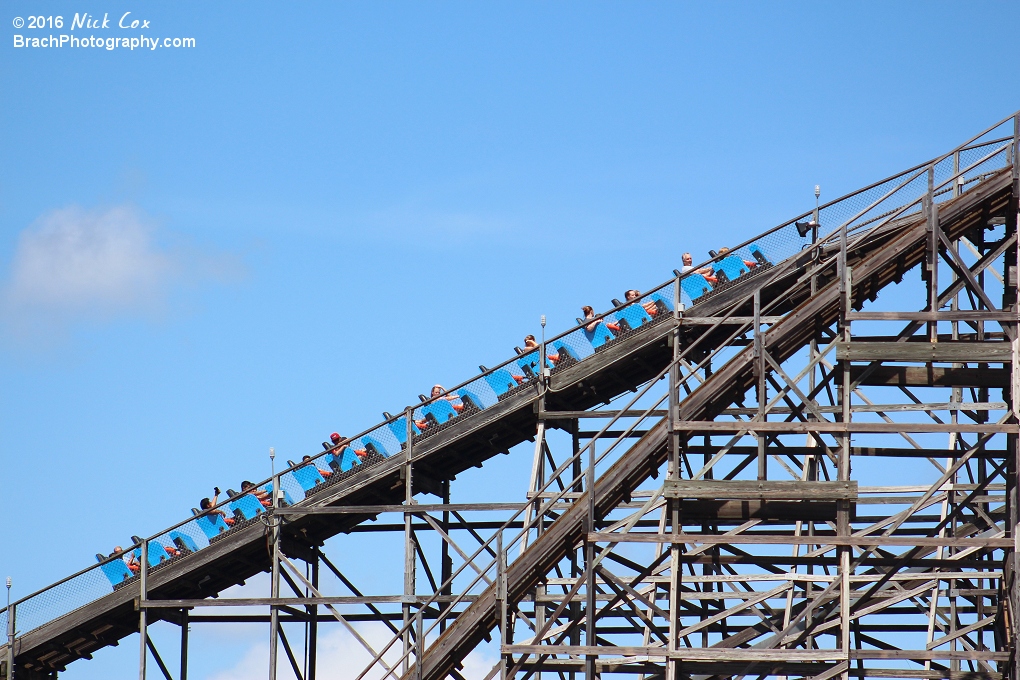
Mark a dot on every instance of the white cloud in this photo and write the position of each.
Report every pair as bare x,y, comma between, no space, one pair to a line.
75,264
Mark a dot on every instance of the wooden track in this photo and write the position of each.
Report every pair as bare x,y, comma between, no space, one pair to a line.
628,363
875,264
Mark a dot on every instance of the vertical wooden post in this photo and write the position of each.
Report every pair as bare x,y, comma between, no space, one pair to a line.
184,644
313,625
446,564
12,611
762,391
673,504
274,611
410,564
143,624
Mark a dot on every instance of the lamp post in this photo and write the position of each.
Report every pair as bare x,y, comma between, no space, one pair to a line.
544,369
274,532
814,219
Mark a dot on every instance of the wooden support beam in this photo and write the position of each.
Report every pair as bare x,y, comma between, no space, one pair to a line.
571,415
928,376
877,451
817,539
293,601
729,321
842,428
759,489
730,654
953,315
959,352
408,509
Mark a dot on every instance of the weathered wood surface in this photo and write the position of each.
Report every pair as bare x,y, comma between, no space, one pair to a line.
729,654
828,427
962,352
927,376
894,254
405,509
783,539
951,315
763,490
292,601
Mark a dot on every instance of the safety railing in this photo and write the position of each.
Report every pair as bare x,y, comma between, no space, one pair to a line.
860,212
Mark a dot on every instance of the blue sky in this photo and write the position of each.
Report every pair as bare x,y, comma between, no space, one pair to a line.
323,209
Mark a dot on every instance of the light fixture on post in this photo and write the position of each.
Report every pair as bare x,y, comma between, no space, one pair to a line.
543,370
803,228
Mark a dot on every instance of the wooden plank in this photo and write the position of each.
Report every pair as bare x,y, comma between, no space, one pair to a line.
877,451
640,666
813,578
686,654
928,376
570,415
950,315
841,428
292,601
744,654
760,489
933,674
933,654
731,321
961,352
880,408
823,539
408,509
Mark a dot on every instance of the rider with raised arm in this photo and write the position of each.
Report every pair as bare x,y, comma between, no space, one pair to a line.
209,507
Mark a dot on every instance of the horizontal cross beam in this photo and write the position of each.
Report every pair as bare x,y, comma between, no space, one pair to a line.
412,509
759,489
817,539
296,601
960,352
841,428
730,654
